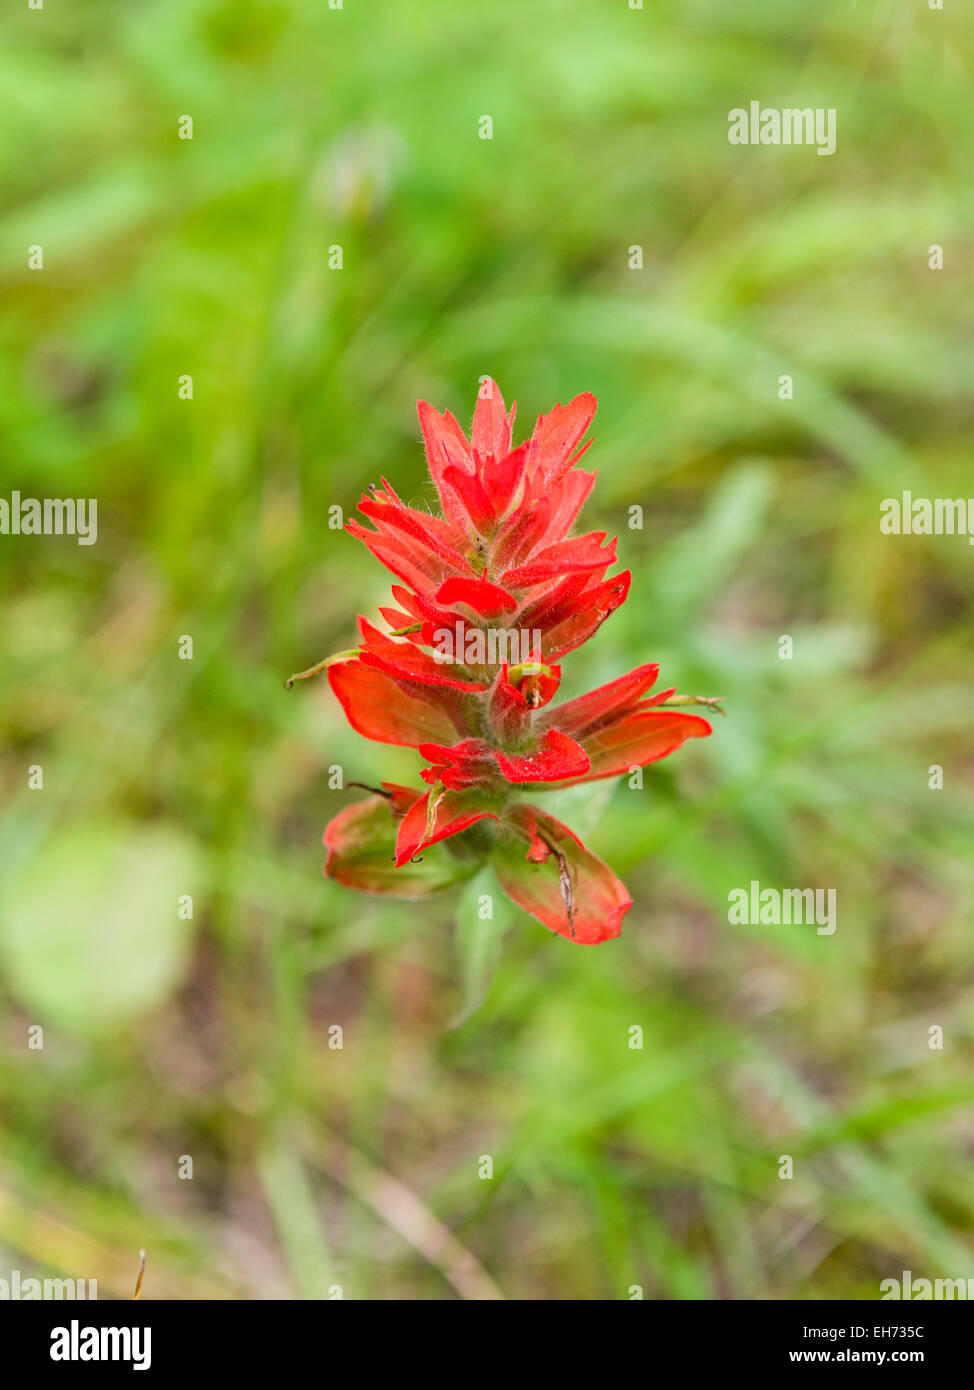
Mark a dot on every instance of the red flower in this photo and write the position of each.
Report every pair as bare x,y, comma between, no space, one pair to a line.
493,594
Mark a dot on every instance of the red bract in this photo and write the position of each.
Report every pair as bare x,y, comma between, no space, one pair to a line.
493,593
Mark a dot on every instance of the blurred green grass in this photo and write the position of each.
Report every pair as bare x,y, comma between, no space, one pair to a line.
612,1167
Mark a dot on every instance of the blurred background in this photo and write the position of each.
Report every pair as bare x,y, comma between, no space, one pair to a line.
212,1036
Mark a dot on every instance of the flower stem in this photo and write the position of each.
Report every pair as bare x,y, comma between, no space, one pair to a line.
320,666
714,702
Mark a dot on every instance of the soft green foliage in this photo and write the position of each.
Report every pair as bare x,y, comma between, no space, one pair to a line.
612,1166
95,936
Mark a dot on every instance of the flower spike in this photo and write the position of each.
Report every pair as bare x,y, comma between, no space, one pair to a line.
490,596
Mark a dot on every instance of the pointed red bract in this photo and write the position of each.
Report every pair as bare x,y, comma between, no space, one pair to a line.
435,817
598,706
560,882
489,600
491,432
557,433
385,710
641,738
556,758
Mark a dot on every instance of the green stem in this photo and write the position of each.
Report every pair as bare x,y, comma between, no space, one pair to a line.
713,702
320,666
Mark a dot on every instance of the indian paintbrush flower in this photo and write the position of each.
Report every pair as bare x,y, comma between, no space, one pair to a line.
492,595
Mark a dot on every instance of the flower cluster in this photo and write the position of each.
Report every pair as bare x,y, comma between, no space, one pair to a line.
457,678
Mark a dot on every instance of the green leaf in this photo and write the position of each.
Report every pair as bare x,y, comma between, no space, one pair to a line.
90,929
695,567
478,940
